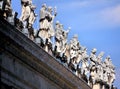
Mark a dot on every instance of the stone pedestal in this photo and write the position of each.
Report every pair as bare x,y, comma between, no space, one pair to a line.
97,86
103,87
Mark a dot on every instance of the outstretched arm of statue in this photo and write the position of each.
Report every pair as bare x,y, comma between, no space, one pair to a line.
55,11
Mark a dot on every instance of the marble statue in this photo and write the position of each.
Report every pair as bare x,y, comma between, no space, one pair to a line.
7,9
99,68
93,58
11,18
43,23
93,73
31,21
105,77
28,16
110,71
60,41
32,17
64,47
43,31
25,14
26,10
96,67
75,46
74,51
46,26
50,21
85,65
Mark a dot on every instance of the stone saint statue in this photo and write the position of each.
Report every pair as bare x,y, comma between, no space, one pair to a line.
74,51
60,41
11,18
28,16
31,21
82,64
75,46
32,17
64,45
43,23
99,67
110,72
7,8
92,66
50,21
93,57
43,31
50,18
6,11
46,26
25,14
84,68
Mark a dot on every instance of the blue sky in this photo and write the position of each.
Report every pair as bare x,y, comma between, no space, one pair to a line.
97,23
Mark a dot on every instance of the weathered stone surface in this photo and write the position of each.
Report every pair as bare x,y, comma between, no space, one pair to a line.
25,65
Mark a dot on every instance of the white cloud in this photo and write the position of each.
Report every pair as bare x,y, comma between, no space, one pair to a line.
79,4
111,15
73,5
83,3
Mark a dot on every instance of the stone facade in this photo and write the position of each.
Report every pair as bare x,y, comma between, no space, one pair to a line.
25,65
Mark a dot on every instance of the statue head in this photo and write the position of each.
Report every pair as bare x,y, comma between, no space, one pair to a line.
108,57
94,50
50,9
75,36
57,22
44,5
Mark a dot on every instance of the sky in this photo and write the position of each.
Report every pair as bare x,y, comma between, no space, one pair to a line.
97,23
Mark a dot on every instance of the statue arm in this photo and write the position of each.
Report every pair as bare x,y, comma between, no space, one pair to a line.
55,11
42,14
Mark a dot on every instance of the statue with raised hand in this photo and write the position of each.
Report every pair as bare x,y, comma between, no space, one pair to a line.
31,21
64,45
50,28
92,66
93,58
110,70
58,39
74,48
84,67
43,31
50,18
99,67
